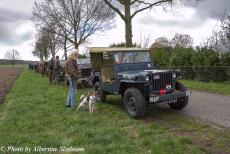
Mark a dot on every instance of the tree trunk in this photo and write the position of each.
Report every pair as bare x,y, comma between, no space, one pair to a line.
76,45
65,47
75,37
52,53
65,52
128,33
128,25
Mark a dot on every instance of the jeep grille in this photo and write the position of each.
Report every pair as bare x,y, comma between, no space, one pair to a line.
165,78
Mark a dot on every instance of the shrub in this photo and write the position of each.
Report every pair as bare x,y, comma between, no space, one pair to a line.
161,56
225,61
201,64
182,58
207,65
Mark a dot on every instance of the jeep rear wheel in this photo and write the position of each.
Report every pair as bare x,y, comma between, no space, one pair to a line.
134,103
181,102
101,95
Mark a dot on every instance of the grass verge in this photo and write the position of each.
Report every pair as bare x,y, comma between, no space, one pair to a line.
33,115
215,87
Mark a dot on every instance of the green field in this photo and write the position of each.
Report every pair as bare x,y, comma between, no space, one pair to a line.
34,114
215,87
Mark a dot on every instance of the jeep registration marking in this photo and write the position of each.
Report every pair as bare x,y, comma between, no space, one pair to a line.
153,99
168,86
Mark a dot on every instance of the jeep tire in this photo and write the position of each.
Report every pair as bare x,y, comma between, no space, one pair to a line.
134,103
181,102
100,93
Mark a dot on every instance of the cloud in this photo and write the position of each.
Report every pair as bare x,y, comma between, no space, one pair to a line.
186,20
4,29
11,15
190,16
212,8
10,21
148,20
10,35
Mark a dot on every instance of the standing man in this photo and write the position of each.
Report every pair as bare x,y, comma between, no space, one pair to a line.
56,69
72,75
42,68
50,69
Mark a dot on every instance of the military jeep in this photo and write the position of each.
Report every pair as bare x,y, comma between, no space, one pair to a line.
84,69
130,72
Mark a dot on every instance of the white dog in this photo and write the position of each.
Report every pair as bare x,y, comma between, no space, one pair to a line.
89,100
84,102
92,102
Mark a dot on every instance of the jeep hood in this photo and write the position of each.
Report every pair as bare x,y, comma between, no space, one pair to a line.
140,72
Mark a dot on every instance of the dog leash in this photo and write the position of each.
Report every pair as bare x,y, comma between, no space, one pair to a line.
83,88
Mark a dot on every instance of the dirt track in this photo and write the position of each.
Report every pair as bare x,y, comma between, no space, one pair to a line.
7,78
209,107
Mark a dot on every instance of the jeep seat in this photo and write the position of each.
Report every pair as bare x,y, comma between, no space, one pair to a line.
107,74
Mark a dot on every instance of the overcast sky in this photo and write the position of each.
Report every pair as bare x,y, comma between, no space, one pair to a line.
17,30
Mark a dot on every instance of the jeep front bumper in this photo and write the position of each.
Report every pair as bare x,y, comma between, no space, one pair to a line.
169,98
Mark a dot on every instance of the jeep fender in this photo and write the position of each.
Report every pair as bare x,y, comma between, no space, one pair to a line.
128,84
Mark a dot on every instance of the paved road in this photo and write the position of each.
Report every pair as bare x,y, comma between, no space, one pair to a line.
209,107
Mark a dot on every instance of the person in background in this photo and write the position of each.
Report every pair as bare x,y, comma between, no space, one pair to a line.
46,68
56,69
72,75
42,68
50,69
36,67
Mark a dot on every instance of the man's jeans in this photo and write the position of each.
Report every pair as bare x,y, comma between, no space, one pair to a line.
72,91
56,73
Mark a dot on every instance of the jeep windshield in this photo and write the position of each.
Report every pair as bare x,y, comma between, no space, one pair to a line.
132,57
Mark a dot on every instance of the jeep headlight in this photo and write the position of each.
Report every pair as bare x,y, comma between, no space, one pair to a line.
147,78
174,75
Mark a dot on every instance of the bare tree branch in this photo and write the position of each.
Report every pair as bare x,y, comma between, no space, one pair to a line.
76,20
149,5
115,9
132,8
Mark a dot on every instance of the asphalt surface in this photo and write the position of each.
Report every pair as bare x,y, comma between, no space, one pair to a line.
209,107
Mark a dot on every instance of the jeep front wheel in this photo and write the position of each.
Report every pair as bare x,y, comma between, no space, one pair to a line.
134,103
101,95
181,102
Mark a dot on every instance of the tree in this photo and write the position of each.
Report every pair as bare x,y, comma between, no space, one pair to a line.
225,33
12,55
212,42
161,42
182,41
220,37
128,9
53,40
77,19
144,41
41,49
